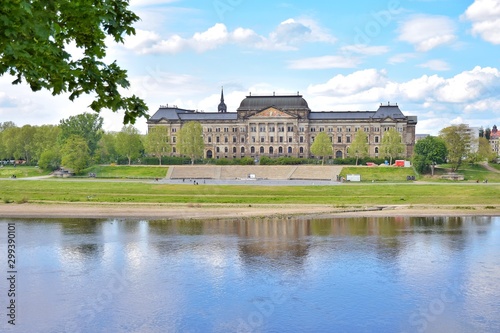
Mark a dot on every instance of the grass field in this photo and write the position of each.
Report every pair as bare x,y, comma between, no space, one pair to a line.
125,171
380,173
21,171
347,194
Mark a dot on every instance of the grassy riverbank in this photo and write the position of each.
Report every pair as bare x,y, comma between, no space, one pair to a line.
49,191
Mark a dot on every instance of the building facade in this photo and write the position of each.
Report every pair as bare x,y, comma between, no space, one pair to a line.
284,125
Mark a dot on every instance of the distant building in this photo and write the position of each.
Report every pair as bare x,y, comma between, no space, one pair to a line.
420,137
495,139
284,125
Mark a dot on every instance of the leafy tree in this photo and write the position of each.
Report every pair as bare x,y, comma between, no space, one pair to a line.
50,160
391,145
33,44
487,133
156,142
457,140
322,146
484,151
45,138
429,151
106,148
359,146
75,153
128,143
5,125
191,140
86,125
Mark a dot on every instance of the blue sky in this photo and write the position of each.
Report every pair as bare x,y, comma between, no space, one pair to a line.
438,59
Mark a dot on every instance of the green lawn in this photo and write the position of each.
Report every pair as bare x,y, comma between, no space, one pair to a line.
21,171
125,171
379,173
471,172
345,194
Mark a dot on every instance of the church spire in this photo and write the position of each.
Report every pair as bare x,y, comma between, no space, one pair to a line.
222,106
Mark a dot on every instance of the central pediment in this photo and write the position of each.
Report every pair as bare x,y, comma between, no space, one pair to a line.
272,112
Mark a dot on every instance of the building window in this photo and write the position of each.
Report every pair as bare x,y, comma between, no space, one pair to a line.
271,128
253,129
174,130
301,139
339,129
262,139
253,138
261,150
271,150
301,150
281,128
209,139
281,139
252,150
226,150
376,139
290,139
339,139
234,139
330,129
348,139
321,129
226,139
348,129
209,129
312,138
301,129
217,129
262,128
376,150
174,150
242,150
367,129
234,150
290,128
217,149
280,150
242,139
174,139
313,129
226,129
290,150
242,129
235,129
271,139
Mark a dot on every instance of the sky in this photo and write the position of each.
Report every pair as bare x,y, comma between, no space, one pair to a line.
438,59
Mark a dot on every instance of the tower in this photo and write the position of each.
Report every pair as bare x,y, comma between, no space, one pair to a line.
222,106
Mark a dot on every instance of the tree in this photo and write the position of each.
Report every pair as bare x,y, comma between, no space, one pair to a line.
75,153
86,125
484,150
45,139
156,142
322,146
106,148
428,152
33,44
7,124
359,146
50,160
128,143
391,145
457,140
191,140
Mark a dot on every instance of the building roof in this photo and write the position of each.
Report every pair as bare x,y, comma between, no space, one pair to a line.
283,102
341,115
174,113
392,111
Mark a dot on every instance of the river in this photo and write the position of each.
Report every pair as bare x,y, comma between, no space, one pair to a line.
400,275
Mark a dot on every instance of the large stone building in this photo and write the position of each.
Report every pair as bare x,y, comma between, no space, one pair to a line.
284,126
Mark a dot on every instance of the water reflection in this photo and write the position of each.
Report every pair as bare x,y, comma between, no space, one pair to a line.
404,274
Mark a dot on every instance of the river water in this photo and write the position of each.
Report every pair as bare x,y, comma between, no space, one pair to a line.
437,274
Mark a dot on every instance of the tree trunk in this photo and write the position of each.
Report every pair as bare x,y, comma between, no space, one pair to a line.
159,158
128,160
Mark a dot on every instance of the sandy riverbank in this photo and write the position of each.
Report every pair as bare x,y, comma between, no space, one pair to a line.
190,211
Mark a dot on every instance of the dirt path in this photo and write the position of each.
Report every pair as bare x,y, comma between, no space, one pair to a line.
490,168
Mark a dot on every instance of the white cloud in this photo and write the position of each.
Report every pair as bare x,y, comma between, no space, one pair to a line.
485,18
343,85
286,37
436,65
426,32
324,62
401,58
364,49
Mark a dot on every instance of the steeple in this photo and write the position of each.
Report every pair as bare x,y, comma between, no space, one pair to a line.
222,105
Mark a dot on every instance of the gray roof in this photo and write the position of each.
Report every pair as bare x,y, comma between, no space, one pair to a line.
258,103
175,114
391,111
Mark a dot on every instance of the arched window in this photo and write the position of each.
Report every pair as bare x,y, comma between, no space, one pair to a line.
376,150
217,149
261,150
290,150
209,154
234,150
242,150
226,149
280,150
301,150
338,154
252,150
271,150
